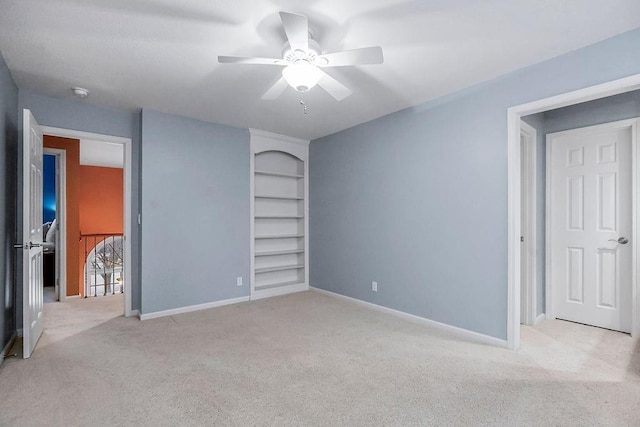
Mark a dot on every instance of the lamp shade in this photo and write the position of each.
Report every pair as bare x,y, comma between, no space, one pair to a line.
302,75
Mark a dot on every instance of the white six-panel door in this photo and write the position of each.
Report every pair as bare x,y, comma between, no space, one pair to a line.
590,210
32,235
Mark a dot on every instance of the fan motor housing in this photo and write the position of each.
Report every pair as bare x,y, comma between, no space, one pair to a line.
295,55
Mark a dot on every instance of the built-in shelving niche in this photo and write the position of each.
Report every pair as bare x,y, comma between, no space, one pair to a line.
280,247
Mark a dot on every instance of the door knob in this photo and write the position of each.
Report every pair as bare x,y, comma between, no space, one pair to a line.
28,245
621,240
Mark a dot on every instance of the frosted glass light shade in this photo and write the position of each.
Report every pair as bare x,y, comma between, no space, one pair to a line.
302,75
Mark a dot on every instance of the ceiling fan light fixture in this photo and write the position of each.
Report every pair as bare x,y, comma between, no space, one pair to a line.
302,75
80,92
303,60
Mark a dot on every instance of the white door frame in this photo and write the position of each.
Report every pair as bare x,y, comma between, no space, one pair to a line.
128,180
530,299
61,216
635,180
514,114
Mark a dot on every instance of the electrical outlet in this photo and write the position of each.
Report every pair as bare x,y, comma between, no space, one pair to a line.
374,286
239,281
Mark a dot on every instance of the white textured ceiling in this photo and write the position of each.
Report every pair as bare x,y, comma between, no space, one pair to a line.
99,153
162,54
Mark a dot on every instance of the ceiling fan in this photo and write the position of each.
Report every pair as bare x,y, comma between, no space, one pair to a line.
303,60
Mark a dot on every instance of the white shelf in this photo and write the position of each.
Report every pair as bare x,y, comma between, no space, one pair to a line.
279,217
277,285
280,174
281,236
279,197
279,268
273,253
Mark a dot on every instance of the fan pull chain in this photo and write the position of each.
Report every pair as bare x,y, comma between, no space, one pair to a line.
304,106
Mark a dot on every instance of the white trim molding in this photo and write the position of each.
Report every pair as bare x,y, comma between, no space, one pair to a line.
539,319
529,228
514,115
191,308
76,134
282,290
7,347
463,333
61,206
128,185
277,137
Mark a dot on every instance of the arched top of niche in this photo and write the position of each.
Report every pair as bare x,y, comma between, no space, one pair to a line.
265,141
279,162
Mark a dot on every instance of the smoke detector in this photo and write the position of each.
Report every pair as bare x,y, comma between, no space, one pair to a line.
80,92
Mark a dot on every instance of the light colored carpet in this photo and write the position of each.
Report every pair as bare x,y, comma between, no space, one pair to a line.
311,359
49,293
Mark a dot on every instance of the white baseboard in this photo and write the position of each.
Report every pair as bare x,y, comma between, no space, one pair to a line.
465,333
539,319
134,313
7,347
19,332
274,292
188,309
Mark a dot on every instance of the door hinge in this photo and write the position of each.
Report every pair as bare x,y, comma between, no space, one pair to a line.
521,239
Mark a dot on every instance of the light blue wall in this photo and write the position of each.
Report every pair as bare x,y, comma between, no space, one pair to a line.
537,122
8,194
82,116
195,212
417,200
619,107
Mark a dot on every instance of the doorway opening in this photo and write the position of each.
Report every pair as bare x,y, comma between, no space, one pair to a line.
520,284
54,224
104,198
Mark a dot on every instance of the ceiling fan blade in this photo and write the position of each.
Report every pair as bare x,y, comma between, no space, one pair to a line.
333,87
297,29
276,90
255,61
365,55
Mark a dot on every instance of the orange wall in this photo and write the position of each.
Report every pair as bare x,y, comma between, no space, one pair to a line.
72,147
101,206
100,201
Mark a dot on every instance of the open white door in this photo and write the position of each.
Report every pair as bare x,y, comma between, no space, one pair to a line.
32,293
590,225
